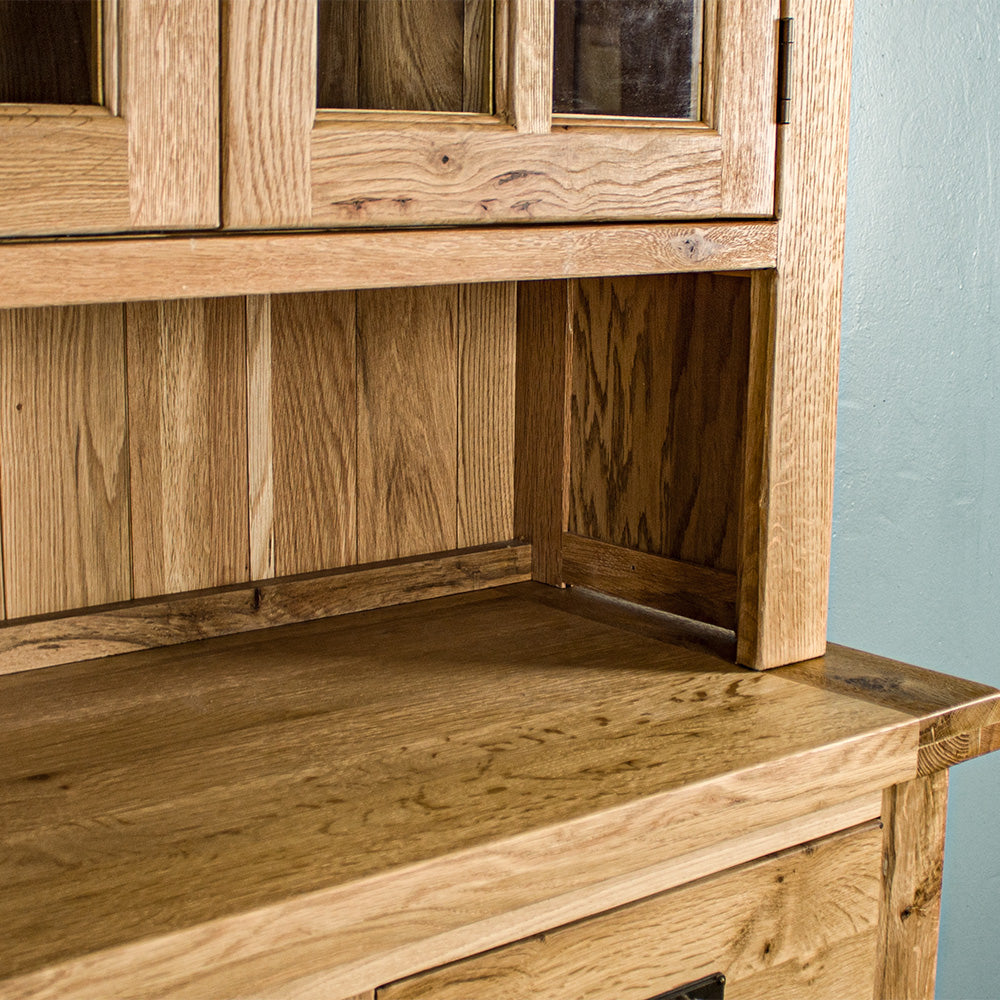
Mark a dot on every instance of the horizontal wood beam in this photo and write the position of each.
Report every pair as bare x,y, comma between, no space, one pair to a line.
167,621
123,269
699,592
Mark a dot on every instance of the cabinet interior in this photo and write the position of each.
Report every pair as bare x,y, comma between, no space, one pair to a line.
155,450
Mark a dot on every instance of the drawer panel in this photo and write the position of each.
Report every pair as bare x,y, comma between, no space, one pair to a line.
797,924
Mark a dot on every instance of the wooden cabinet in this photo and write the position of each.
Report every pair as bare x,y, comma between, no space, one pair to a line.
144,154
287,163
375,576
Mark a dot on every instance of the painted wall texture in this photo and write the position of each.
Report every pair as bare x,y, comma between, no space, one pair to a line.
916,544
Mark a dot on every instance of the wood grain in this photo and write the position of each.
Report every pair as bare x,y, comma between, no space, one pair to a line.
188,444
63,174
542,422
478,56
451,174
184,618
914,813
431,798
681,588
260,437
407,421
796,497
768,921
268,107
486,370
338,56
745,116
119,270
411,55
63,442
170,88
532,28
951,711
314,431
659,397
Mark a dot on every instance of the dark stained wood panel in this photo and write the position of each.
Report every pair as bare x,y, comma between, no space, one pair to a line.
487,345
188,444
64,487
407,421
314,423
658,412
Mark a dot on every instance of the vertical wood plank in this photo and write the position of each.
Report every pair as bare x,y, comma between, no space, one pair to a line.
914,814
407,421
746,111
188,444
111,64
64,476
487,349
171,104
760,374
542,421
796,494
260,444
532,26
659,390
269,104
314,425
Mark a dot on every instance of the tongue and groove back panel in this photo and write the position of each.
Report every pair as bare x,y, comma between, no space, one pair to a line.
160,448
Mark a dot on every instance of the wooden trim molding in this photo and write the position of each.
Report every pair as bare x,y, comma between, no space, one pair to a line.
166,621
117,270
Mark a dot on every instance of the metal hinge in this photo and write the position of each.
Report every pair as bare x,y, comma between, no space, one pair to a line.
785,39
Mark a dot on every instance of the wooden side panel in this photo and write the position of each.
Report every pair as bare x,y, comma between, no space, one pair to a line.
541,457
801,924
659,393
531,45
796,494
314,421
260,441
188,444
407,421
914,814
487,347
269,103
338,64
170,52
64,484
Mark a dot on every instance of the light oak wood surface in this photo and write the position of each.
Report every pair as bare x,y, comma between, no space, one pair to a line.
532,32
41,274
63,442
359,783
187,445
766,926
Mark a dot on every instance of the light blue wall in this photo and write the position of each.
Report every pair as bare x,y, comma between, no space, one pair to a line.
916,543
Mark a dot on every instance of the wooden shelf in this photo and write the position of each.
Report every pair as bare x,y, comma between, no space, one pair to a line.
319,808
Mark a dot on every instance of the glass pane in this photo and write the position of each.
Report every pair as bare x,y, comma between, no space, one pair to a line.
406,55
638,58
49,52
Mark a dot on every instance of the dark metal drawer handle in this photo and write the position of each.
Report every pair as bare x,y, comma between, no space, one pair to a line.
711,988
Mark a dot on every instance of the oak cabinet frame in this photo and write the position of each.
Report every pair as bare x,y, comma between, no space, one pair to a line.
147,159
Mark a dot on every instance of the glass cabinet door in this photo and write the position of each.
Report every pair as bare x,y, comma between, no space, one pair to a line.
108,116
435,112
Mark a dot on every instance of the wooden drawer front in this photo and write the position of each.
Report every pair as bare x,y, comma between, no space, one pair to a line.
798,924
